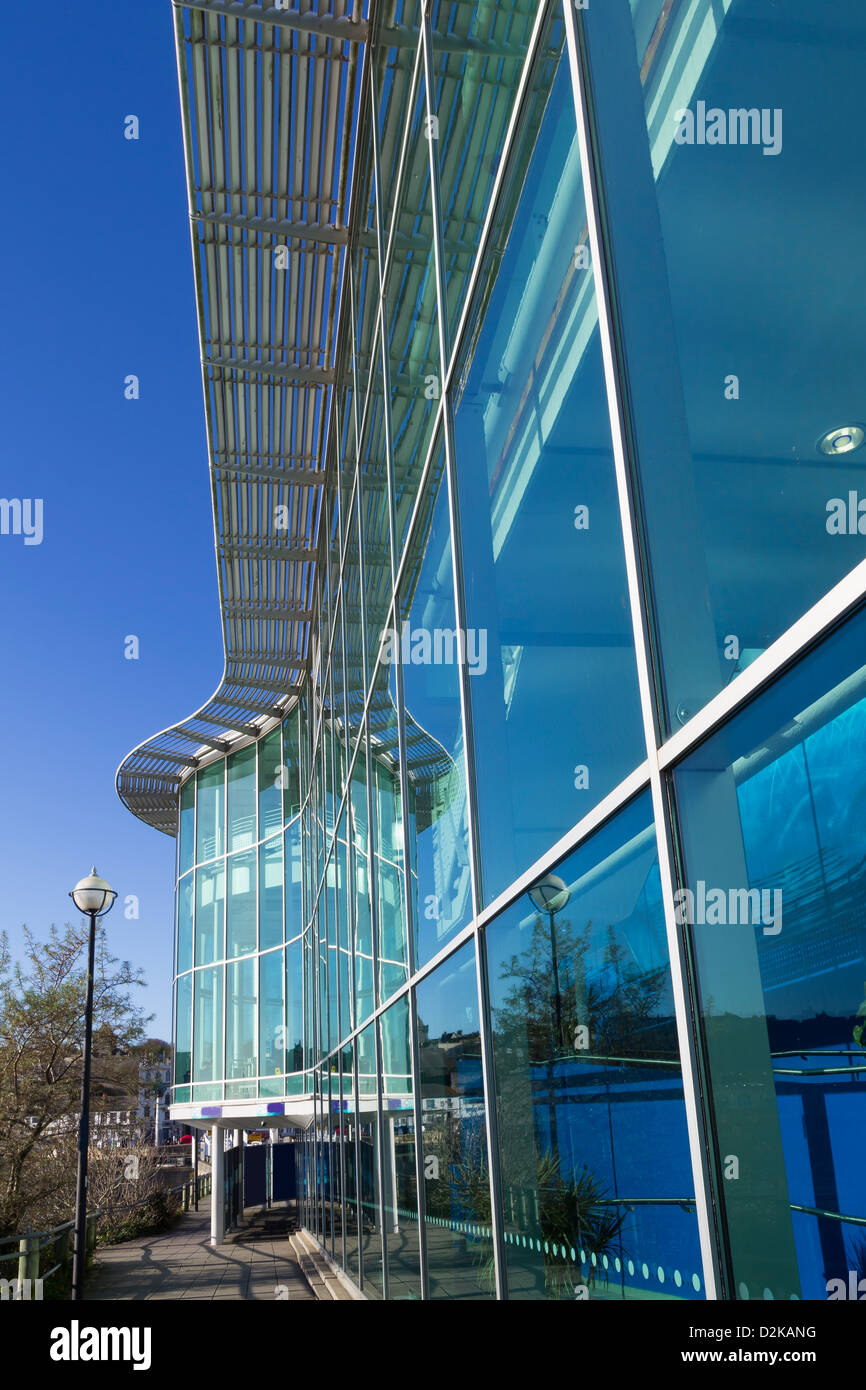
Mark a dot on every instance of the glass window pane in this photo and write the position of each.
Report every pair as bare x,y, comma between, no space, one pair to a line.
294,886
473,95
589,1091
745,383
272,1025
368,1125
208,1029
294,1008
375,524
390,888
185,889
456,1174
241,904
183,1030
431,651
771,812
271,779
270,893
291,766
352,618
209,913
360,840
412,324
353,1186
241,1020
242,798
401,1183
210,813
186,852
555,706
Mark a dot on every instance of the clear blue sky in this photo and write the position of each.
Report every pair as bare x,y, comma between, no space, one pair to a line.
97,283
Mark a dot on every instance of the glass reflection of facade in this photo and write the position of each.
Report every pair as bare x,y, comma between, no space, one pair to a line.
540,906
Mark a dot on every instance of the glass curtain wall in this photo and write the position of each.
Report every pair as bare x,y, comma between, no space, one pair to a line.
588,464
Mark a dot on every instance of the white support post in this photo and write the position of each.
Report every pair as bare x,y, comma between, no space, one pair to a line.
217,1198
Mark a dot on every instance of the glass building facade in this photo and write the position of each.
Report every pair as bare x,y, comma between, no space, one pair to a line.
554,1020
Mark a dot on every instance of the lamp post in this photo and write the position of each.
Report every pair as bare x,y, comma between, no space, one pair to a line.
93,897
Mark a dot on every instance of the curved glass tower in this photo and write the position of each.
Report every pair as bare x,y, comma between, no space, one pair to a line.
519,868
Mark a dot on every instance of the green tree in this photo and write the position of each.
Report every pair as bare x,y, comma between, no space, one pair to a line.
42,1002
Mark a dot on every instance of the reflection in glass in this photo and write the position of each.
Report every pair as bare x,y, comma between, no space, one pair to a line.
430,652
294,1008
412,325
353,1221
772,813
294,886
291,765
555,707
186,831
209,912
368,1127
474,91
210,812
241,777
271,777
183,1030
740,362
185,890
241,904
241,1020
401,1184
270,894
272,1028
596,1178
360,841
208,1027
455,1166
388,830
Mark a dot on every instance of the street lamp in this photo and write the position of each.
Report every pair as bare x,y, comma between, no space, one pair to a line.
93,897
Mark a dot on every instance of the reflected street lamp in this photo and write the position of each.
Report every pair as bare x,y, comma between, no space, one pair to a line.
550,895
93,897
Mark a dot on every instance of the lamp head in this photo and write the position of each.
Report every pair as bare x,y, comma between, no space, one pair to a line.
93,895
549,894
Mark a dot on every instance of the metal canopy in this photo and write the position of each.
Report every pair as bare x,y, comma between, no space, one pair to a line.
269,100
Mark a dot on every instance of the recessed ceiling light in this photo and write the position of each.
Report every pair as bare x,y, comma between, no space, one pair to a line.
843,440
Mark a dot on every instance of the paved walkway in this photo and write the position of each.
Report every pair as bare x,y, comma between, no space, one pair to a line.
258,1262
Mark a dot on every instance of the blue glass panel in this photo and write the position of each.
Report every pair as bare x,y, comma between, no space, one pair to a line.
456,1171
744,381
771,812
554,693
597,1191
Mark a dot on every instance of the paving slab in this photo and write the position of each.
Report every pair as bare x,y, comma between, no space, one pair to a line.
181,1264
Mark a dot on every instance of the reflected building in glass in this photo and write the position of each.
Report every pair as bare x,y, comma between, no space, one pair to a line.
520,864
